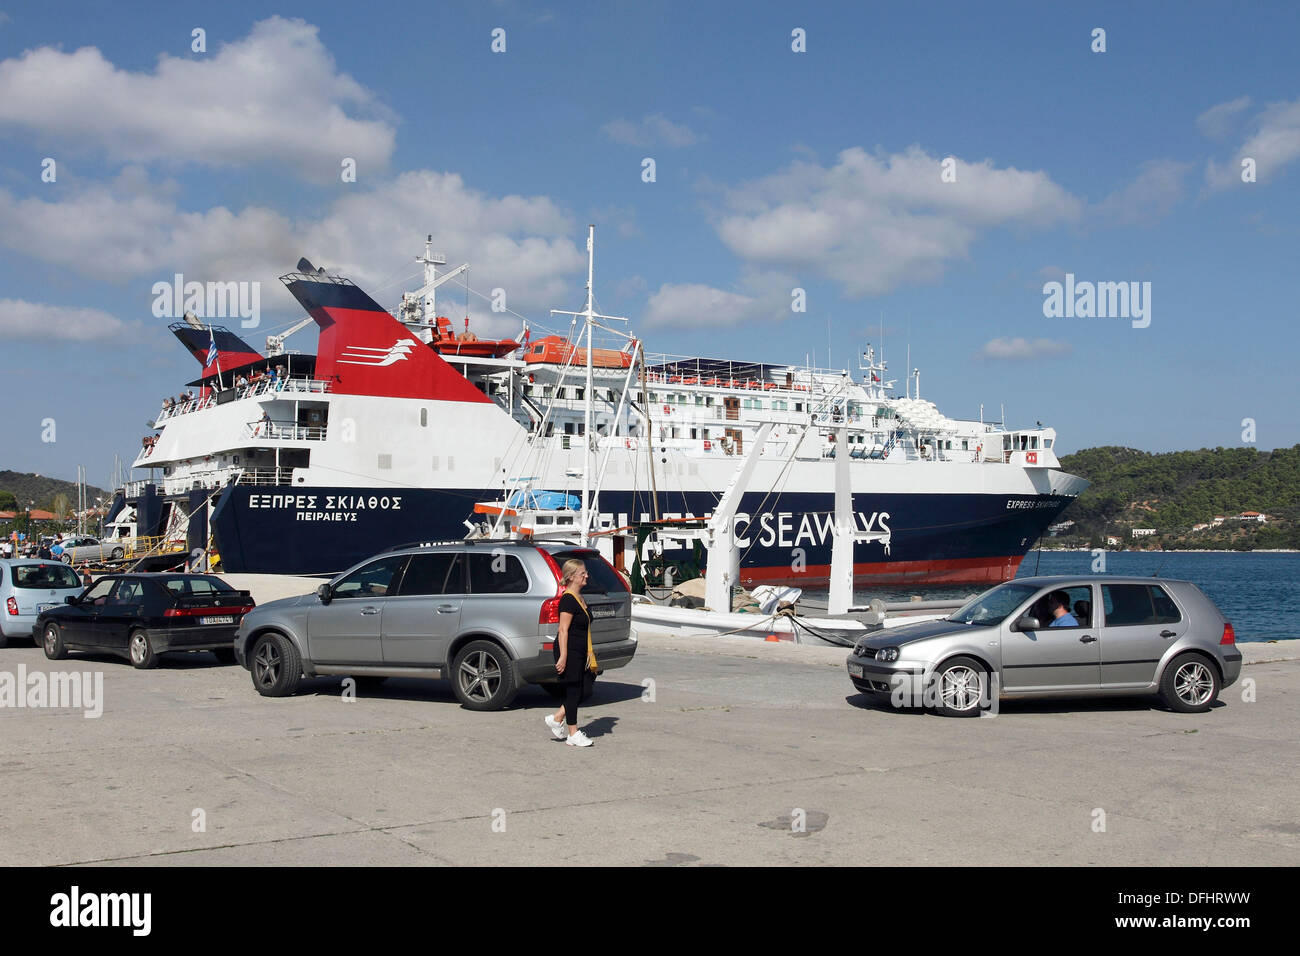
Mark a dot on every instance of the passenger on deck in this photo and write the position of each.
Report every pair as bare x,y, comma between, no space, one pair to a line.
240,381
1059,603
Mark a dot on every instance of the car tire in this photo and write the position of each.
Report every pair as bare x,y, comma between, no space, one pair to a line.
140,651
276,665
483,676
52,642
588,688
117,554
224,655
1190,684
66,558
961,687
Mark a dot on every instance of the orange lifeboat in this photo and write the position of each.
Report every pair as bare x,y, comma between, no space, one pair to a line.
467,343
554,350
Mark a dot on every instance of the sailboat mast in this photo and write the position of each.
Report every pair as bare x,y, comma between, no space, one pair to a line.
586,461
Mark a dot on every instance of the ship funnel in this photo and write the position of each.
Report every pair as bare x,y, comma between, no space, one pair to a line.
305,266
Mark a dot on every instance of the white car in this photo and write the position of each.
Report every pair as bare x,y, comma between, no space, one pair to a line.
28,587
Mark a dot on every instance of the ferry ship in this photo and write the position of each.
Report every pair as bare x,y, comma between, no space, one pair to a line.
397,429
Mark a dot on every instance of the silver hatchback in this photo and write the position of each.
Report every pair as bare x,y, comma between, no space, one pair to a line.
483,613
28,587
1057,636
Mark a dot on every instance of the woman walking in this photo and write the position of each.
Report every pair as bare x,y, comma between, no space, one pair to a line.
573,654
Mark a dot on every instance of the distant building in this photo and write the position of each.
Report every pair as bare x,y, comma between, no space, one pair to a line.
1218,520
1142,532
1200,527
1111,539
1252,516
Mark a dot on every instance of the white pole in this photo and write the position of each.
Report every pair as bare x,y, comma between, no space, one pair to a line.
840,597
586,458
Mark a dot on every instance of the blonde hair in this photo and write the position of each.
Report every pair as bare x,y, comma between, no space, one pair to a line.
570,570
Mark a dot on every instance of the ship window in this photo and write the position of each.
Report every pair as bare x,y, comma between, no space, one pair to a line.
559,392
965,445
798,406
1033,442
758,403
699,399
424,418
694,432
579,392
654,397
546,391
568,428
1047,443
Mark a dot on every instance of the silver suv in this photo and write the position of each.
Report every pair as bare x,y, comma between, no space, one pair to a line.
483,613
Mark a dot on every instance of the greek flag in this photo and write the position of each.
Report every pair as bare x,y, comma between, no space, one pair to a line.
212,352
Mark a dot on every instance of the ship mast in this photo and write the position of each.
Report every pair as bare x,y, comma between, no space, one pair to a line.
590,314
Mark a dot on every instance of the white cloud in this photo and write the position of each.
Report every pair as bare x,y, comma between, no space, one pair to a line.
871,223
697,305
127,231
21,320
651,130
1217,122
1021,349
1150,196
273,96
1274,144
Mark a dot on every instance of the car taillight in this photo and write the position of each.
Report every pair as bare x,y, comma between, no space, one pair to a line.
550,613
1229,635
12,606
204,611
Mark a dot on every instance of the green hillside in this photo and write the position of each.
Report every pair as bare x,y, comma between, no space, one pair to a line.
26,487
1173,491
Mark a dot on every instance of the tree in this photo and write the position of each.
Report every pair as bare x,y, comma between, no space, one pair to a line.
7,501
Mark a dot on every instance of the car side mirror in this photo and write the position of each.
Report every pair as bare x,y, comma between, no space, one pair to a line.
323,592
70,599
1028,623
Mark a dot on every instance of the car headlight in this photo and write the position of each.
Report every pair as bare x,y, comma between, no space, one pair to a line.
887,654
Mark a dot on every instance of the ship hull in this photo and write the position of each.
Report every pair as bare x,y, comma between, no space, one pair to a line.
918,538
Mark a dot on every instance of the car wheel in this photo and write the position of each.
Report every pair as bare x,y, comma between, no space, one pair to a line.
117,554
276,666
224,655
961,687
140,650
66,558
483,676
1190,684
53,643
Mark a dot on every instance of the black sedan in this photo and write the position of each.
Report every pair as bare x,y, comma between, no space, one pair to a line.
140,616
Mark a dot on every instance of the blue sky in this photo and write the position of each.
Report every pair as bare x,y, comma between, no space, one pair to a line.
774,170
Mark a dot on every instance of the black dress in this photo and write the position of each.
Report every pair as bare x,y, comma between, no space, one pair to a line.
577,653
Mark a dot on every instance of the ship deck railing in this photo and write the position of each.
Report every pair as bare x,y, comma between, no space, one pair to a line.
284,431
283,386
265,476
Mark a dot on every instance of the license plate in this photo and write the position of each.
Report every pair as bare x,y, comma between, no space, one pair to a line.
42,608
855,670
218,619
604,610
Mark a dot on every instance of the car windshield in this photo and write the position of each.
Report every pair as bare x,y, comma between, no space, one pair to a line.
992,607
46,576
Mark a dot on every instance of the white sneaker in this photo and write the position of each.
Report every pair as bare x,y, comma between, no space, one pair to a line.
557,727
578,739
